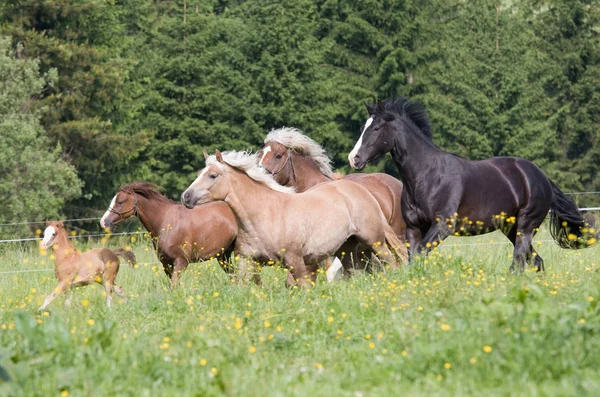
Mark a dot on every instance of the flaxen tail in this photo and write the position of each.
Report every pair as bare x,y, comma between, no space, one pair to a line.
395,245
128,255
567,226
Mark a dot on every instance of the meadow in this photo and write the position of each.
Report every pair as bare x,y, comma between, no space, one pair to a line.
456,323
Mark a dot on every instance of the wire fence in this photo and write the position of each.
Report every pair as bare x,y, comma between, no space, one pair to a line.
16,240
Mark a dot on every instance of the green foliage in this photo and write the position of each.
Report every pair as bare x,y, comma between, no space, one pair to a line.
35,182
145,86
91,108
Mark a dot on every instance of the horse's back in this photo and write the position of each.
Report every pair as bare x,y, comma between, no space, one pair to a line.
504,184
387,190
355,196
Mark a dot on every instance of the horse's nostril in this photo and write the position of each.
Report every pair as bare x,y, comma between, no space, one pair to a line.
186,196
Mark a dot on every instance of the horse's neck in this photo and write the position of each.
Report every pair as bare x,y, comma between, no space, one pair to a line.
63,248
415,158
243,196
307,174
151,214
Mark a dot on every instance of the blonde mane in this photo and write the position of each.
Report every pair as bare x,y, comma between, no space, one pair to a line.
247,163
294,139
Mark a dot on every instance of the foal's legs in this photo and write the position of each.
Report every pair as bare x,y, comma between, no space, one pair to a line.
108,278
60,288
69,297
121,292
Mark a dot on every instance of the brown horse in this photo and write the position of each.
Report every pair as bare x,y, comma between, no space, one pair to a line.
179,236
296,160
75,269
300,230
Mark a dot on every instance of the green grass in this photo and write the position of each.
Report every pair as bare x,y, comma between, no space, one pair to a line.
459,325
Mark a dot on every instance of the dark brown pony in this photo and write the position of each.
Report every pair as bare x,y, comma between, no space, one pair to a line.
179,235
296,160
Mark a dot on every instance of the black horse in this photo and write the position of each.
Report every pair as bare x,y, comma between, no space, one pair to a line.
445,194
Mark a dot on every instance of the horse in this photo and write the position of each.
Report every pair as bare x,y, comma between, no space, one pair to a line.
445,194
296,160
75,269
301,230
179,236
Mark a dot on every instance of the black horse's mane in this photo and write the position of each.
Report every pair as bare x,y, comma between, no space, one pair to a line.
412,111
145,189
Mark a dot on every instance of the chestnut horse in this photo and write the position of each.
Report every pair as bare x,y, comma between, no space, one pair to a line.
75,269
296,160
179,236
301,230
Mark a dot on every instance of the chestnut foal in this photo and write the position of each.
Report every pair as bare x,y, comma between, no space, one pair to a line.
74,269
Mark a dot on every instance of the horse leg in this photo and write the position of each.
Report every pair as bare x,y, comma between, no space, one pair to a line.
69,297
532,257
167,265
436,234
180,265
298,270
120,292
60,288
247,271
333,269
413,238
538,262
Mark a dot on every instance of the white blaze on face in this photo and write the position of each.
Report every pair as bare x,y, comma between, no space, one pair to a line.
266,150
107,213
48,239
335,270
359,143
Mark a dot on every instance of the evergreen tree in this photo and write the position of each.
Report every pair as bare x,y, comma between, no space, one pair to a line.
90,109
35,182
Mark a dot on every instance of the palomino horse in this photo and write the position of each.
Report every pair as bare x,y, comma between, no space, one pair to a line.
75,269
179,236
296,160
302,230
445,194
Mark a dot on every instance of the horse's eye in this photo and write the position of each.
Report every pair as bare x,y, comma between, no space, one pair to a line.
213,176
278,156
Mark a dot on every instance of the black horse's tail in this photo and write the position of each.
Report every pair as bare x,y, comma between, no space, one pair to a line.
567,226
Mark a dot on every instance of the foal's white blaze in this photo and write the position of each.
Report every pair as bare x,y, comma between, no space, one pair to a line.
266,150
47,241
359,143
107,213
335,270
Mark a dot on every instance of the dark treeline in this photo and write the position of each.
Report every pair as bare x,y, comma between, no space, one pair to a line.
112,91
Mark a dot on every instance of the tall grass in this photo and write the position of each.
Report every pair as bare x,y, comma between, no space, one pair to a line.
455,323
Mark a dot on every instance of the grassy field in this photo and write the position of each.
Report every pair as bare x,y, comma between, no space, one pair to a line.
460,324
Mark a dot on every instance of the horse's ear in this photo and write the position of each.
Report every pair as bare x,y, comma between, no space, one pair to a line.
219,156
47,222
60,224
370,107
205,155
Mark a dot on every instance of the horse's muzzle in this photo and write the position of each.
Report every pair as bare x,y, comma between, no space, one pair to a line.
358,163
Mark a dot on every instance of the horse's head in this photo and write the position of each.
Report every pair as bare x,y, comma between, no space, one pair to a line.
389,125
210,185
50,233
122,206
277,160
375,140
